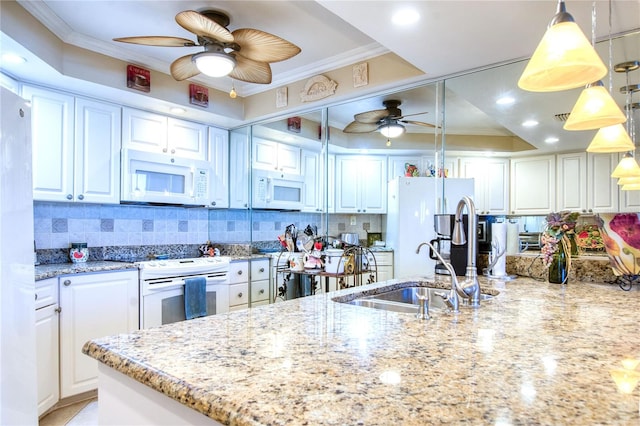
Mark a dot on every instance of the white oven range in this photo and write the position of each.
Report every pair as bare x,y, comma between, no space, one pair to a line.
162,287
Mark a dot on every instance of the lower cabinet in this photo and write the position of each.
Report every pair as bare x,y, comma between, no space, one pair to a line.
47,349
260,279
91,306
238,285
384,262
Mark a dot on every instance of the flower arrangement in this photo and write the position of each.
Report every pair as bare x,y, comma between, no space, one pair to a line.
559,226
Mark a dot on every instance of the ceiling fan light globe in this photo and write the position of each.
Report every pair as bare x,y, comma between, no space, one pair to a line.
392,130
214,64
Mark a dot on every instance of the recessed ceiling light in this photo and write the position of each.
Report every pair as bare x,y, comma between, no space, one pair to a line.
530,123
13,58
505,100
405,17
551,139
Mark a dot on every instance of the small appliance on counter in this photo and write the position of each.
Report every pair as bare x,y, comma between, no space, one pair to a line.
79,252
454,254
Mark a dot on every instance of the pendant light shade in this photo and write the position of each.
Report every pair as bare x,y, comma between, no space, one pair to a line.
631,187
594,109
627,167
628,180
611,139
564,59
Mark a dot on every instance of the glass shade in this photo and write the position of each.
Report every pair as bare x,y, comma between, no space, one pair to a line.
631,187
627,167
594,109
563,60
628,180
611,139
392,130
214,64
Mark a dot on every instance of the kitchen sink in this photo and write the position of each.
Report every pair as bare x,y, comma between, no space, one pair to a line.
406,299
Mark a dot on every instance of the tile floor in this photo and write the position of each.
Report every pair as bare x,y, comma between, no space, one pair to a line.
84,413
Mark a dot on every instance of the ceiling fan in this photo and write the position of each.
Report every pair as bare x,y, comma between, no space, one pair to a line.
387,121
243,54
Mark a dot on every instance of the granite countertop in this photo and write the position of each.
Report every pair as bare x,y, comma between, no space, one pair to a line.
537,353
55,269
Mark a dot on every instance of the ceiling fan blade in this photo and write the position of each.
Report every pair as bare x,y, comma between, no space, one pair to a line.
417,123
251,71
184,68
202,26
262,46
157,41
411,115
371,116
360,127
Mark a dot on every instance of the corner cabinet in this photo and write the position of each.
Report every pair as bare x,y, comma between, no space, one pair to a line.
491,183
76,148
219,160
91,306
533,185
361,184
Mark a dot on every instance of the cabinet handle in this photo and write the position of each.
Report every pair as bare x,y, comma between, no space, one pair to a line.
239,295
57,310
261,269
67,282
164,149
69,197
173,160
239,272
36,296
173,151
80,197
261,291
213,203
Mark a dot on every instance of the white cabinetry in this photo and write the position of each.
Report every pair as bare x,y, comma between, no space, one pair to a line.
260,282
270,155
361,184
383,260
533,185
146,131
76,148
238,171
219,159
571,178
312,189
238,285
491,183
47,351
602,189
92,306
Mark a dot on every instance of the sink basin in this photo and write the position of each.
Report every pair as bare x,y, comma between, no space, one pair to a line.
406,300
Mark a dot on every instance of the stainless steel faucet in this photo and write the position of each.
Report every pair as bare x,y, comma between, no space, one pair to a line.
471,286
451,299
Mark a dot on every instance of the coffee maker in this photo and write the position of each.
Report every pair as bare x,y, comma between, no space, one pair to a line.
451,253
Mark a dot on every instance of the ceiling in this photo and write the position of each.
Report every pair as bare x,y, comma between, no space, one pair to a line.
451,38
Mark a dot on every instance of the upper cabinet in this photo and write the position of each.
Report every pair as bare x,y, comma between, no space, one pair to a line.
361,184
238,170
312,189
146,131
491,183
76,148
219,159
270,155
533,185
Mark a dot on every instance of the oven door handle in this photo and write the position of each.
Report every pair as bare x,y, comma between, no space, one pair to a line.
165,285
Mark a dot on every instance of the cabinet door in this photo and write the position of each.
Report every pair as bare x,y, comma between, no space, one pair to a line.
348,172
265,154
373,185
238,171
52,143
219,159
476,169
144,131
97,152
572,181
397,165
186,139
533,185
47,360
312,184
92,306
289,159
602,189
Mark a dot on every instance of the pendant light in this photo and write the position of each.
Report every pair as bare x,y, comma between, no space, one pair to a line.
594,109
628,180
564,59
627,167
611,139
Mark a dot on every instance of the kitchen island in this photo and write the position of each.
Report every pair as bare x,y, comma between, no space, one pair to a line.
537,353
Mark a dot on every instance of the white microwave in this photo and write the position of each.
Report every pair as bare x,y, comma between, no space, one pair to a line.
160,179
279,191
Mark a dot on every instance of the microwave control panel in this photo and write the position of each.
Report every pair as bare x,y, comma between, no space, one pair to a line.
261,189
201,183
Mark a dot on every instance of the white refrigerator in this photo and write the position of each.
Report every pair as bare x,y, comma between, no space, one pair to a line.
412,202
18,392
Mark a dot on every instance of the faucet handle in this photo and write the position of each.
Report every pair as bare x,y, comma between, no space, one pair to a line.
423,307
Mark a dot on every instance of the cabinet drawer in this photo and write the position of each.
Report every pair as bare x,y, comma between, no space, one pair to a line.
239,272
259,290
239,294
259,270
381,258
46,292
